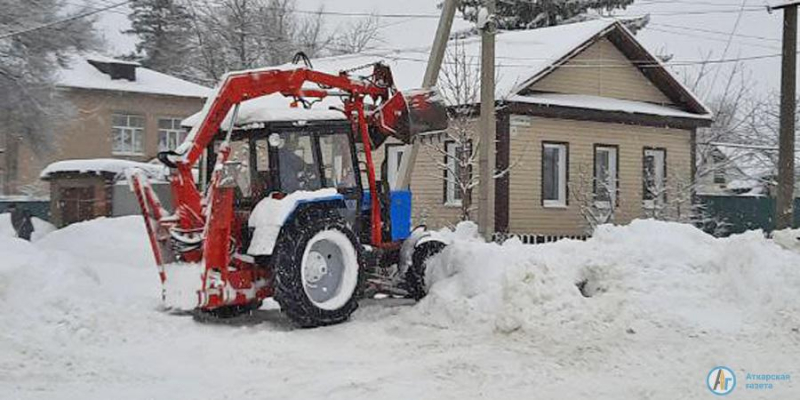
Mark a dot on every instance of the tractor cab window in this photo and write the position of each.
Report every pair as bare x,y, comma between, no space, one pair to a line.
260,171
296,165
337,161
240,155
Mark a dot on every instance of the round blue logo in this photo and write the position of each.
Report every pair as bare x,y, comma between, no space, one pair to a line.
721,381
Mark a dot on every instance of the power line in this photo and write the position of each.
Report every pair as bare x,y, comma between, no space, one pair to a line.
728,43
714,32
88,5
713,39
696,12
63,21
436,16
694,3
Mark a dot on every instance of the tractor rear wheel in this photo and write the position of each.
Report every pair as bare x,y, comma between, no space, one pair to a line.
415,276
318,274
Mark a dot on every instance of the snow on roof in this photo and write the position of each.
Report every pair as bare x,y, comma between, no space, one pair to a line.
79,73
604,104
102,165
777,4
520,56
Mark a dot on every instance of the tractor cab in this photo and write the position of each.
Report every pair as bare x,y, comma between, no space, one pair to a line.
284,158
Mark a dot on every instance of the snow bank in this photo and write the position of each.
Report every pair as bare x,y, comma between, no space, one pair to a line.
646,276
83,319
789,239
40,227
74,279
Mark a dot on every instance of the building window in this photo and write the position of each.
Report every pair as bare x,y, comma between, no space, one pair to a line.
605,176
554,174
654,171
453,174
127,133
719,169
170,134
394,157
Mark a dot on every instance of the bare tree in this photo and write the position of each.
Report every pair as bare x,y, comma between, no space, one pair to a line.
357,36
596,199
456,151
311,37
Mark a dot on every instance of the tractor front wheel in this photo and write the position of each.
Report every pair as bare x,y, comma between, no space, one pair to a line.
318,276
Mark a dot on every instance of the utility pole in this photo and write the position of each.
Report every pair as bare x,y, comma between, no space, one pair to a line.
487,125
785,203
431,77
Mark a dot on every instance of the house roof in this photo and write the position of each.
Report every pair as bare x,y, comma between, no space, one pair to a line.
101,166
522,58
753,167
79,73
780,4
604,104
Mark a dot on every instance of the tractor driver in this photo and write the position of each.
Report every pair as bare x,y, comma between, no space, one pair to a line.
296,174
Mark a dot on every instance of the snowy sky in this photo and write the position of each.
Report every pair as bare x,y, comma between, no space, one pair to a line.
688,29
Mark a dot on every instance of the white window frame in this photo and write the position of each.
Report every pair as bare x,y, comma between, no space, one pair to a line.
660,160
613,154
175,132
394,155
137,135
563,158
451,184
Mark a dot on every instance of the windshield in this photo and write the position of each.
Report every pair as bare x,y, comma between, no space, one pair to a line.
337,161
297,168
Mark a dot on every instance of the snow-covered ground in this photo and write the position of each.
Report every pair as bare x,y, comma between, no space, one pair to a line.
82,319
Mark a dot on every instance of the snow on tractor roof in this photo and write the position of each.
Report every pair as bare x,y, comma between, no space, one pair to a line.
81,73
102,166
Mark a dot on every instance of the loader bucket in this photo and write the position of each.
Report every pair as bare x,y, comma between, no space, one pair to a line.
408,114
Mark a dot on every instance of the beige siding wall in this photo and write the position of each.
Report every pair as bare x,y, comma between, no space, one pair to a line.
89,133
427,185
617,78
528,216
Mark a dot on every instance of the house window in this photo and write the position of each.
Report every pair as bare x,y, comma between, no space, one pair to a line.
719,169
394,158
170,134
554,174
605,176
127,133
453,174
654,175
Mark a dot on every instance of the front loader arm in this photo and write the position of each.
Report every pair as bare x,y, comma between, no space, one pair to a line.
241,86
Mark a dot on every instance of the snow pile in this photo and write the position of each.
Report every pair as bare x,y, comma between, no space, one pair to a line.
647,276
76,278
40,227
789,239
83,319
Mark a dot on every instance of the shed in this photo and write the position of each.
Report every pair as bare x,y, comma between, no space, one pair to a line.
81,190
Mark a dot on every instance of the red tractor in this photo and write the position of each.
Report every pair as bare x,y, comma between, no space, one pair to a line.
310,224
